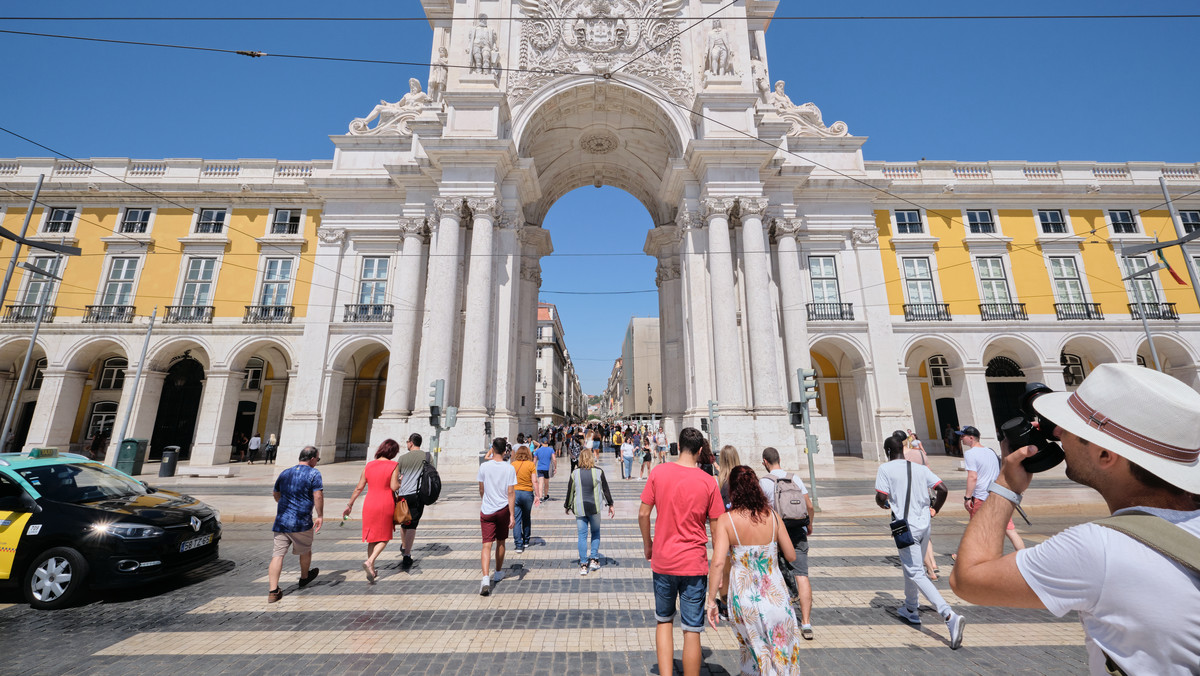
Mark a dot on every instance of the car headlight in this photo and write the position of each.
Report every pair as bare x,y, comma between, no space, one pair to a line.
216,513
128,531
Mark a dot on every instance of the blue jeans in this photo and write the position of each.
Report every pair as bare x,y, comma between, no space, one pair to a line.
582,524
690,589
628,467
524,516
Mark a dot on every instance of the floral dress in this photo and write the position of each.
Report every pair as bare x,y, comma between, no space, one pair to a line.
767,631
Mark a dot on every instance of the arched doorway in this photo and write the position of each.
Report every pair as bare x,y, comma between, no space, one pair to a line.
178,406
1006,384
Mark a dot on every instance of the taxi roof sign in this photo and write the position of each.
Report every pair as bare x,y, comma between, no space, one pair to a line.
43,453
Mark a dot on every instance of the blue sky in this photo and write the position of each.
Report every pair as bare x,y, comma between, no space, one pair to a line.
983,90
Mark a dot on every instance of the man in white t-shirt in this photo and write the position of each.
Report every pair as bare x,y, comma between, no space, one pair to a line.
497,511
1133,435
901,485
983,468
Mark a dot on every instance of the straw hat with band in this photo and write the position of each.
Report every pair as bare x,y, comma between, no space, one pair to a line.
1146,417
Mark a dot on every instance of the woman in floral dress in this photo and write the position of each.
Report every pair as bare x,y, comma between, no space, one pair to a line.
766,626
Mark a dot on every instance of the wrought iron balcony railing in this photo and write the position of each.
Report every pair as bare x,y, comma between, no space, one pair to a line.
927,312
189,314
269,314
996,312
830,312
368,312
108,314
1153,310
1085,311
26,314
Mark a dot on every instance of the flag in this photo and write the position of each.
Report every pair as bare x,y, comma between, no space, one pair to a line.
1174,274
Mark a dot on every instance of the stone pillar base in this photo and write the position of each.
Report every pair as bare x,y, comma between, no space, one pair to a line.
389,425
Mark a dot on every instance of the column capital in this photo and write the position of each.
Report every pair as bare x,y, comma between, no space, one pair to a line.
331,235
788,227
448,207
413,226
688,220
753,206
667,270
508,221
864,236
484,206
531,271
711,207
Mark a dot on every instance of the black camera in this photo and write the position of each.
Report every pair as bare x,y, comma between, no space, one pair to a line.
1032,429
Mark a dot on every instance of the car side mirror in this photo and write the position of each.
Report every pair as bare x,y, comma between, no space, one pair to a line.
20,503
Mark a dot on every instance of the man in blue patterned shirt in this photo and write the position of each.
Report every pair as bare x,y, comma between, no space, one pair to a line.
298,492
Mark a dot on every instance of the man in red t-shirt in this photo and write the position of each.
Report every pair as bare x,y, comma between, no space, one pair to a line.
684,497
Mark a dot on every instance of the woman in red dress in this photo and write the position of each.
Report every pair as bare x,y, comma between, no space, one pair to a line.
381,478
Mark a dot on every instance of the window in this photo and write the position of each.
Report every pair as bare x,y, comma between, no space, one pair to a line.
372,288
211,221
118,290
980,222
37,284
918,281
59,220
1067,286
537,401
1142,287
1072,369
823,271
104,415
939,371
197,286
1141,361
287,222
254,374
1190,220
992,280
1122,222
1003,367
277,281
541,332
1052,221
909,223
538,377
135,221
112,374
39,373
539,353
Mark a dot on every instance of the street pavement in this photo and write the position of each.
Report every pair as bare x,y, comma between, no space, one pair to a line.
544,618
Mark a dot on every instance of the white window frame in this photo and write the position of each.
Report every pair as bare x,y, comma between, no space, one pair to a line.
1062,214
837,282
198,211
1138,230
102,287
38,375
27,278
995,219
255,372
185,265
920,221
262,274
537,401
1195,224
1151,283
120,228
107,382
111,417
299,226
929,260
46,211
362,279
1004,268
1079,270
948,380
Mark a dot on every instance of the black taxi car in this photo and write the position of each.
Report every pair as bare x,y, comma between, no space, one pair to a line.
68,523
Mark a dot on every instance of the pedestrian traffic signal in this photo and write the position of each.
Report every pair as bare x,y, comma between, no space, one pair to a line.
712,409
796,413
435,416
451,416
436,392
487,428
704,424
808,385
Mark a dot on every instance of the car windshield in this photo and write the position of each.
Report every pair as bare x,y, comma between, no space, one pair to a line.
78,483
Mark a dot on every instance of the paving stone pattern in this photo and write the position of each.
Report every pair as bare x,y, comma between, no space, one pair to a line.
544,619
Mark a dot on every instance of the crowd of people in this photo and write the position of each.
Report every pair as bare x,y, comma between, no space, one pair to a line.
1134,578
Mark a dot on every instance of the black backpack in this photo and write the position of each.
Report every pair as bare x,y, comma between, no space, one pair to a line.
429,484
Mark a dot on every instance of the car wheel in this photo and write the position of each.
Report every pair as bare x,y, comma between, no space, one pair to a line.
55,578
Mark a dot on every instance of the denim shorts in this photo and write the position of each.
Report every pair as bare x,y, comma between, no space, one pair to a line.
691,590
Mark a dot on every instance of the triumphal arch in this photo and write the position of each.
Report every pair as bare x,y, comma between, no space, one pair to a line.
669,100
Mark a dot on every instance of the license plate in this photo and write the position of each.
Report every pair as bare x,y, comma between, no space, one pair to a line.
189,545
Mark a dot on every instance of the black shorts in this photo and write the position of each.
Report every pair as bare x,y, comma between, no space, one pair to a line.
415,508
544,473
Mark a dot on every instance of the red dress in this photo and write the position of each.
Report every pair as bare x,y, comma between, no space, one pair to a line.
380,505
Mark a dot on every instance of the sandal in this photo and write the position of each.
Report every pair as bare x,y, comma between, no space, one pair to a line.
371,575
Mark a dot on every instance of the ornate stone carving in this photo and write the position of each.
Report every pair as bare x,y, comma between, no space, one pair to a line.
805,119
412,227
666,271
484,206
718,51
753,206
688,220
531,271
452,207
507,221
331,235
393,117
597,37
484,48
762,79
599,143
788,227
717,206
861,236
1093,188
439,74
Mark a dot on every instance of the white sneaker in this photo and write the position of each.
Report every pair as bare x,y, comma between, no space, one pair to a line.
594,564
497,576
910,616
583,570
955,623
485,587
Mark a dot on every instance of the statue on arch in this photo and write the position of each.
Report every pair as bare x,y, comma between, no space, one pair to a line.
718,51
393,117
482,42
762,81
779,99
440,74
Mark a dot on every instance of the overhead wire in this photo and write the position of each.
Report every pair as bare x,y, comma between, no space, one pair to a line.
455,19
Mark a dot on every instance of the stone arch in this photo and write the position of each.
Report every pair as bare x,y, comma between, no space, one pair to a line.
161,355
1092,350
342,355
83,354
934,396
845,353
843,392
277,352
1014,347
920,348
1177,357
356,394
12,356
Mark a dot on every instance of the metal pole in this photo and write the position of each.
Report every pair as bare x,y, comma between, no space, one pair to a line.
12,264
1146,324
1187,260
37,326
137,377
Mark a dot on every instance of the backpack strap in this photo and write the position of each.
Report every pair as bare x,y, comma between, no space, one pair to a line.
1158,534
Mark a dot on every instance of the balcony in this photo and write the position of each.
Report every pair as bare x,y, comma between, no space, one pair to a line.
108,314
367,313
1081,311
927,312
189,314
1153,310
999,312
26,314
269,314
830,312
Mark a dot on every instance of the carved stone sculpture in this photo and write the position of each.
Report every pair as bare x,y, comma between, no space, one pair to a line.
762,81
718,51
806,118
482,46
393,117
439,75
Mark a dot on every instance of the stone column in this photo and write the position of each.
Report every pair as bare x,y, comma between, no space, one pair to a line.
663,243
697,330
763,326
144,400
727,346
441,295
531,282
57,405
973,402
274,412
214,422
477,332
794,303
503,397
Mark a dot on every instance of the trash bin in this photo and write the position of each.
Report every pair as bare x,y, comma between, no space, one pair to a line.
131,456
170,458
674,448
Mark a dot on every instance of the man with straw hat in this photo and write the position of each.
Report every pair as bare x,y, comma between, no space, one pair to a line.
1133,435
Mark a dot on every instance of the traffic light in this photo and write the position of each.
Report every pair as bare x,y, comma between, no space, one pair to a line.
712,409
796,413
704,424
436,393
451,416
487,428
808,385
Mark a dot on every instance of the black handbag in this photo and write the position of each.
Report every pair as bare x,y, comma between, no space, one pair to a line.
900,530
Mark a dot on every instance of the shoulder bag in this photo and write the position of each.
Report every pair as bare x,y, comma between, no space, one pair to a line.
900,531
401,514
